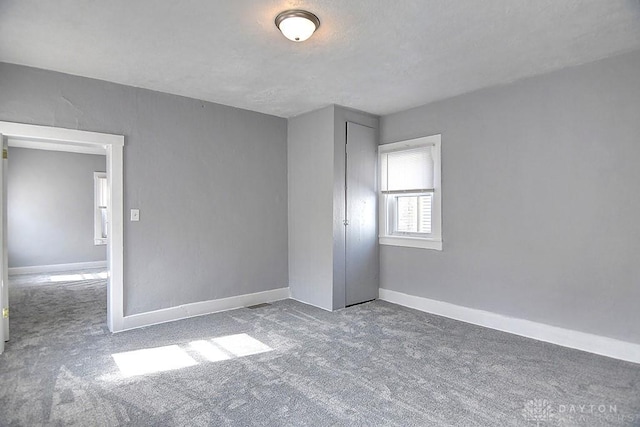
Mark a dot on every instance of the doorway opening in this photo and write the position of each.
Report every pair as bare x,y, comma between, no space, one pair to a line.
60,139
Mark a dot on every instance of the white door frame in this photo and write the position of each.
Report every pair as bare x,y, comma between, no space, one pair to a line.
60,139
4,264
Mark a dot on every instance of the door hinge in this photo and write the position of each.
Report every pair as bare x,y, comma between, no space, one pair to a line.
345,222
5,153
5,313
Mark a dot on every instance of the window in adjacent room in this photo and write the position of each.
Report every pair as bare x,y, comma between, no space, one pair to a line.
101,200
410,193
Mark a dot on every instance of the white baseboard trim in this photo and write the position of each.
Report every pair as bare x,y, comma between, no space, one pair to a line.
591,343
36,269
201,308
308,303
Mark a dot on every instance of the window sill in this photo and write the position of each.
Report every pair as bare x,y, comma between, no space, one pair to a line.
411,242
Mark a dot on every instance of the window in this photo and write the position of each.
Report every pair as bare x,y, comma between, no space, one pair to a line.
101,200
410,193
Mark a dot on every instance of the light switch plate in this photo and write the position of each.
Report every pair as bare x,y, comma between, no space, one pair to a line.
135,214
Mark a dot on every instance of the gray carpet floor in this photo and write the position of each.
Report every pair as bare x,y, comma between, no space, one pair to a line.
289,364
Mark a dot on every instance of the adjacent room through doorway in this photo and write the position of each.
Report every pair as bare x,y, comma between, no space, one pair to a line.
66,209
56,228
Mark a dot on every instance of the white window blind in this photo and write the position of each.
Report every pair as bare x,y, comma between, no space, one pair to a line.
407,171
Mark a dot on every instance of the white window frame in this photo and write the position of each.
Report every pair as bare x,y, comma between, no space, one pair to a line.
386,214
98,240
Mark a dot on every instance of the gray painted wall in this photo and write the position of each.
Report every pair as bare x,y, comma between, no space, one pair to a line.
540,200
50,207
210,182
310,163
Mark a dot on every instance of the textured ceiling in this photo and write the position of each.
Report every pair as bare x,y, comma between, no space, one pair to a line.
378,56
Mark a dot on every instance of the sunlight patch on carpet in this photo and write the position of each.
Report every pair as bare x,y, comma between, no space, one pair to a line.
152,360
78,277
209,351
241,345
171,357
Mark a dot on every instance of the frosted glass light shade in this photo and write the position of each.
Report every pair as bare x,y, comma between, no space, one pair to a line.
297,25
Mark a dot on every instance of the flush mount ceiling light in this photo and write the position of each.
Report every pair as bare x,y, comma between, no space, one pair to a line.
297,25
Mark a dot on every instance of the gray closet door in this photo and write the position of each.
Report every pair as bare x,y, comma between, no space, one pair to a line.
361,239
